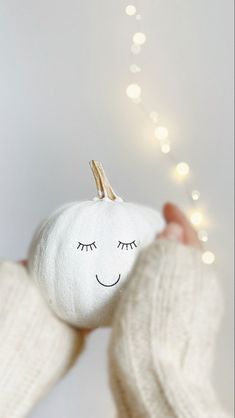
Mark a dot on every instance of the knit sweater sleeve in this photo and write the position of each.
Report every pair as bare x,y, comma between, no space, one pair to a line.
162,342
36,348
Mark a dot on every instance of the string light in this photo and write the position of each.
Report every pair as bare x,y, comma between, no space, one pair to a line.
161,133
196,218
165,148
203,235
133,91
195,195
182,169
130,10
139,38
208,257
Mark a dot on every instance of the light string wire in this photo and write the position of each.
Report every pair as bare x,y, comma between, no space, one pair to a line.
181,168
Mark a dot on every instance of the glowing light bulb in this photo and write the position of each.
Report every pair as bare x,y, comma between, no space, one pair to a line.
208,257
135,69
136,49
165,148
196,218
154,116
182,169
203,236
139,38
133,91
130,10
196,195
161,133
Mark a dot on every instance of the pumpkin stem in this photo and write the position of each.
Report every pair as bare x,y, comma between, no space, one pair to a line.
104,188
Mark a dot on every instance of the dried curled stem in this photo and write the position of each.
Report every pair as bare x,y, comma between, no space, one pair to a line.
104,188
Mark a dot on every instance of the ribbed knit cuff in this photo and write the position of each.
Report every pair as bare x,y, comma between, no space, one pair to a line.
36,348
161,349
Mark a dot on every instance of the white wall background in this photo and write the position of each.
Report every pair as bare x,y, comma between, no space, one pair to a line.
63,74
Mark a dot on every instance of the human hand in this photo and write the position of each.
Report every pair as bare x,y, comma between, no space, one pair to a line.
178,227
163,335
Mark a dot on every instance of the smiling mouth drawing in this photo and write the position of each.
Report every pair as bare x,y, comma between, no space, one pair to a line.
108,285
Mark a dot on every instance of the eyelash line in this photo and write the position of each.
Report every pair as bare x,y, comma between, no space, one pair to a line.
87,246
122,245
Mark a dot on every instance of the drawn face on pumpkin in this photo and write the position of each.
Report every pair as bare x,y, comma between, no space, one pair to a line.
114,246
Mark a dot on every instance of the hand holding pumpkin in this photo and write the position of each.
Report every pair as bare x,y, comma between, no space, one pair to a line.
81,256
91,302
178,228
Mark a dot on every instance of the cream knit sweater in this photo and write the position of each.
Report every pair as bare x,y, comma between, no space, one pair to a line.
36,348
161,349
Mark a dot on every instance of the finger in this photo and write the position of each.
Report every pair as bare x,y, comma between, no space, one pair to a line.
173,214
173,232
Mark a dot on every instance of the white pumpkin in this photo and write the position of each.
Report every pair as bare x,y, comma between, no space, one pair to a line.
82,254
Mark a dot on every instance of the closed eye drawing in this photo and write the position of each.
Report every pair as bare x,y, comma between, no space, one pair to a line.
127,245
86,247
